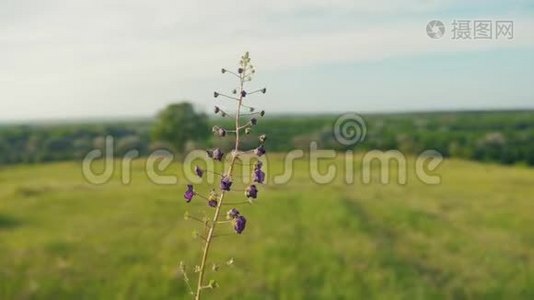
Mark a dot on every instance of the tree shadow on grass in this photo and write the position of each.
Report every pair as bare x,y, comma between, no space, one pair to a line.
7,222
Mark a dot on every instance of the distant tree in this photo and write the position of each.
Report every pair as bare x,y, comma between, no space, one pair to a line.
127,143
32,149
57,148
81,146
4,152
179,124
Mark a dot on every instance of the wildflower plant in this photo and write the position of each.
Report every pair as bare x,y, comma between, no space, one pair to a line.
245,117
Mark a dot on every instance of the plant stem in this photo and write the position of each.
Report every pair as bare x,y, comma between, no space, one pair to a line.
211,230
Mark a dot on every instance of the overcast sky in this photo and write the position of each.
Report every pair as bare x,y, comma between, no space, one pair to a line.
71,59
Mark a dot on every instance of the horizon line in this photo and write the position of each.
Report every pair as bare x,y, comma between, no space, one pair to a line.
126,118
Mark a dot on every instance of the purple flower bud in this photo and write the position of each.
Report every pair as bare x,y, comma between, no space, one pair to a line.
239,224
216,154
259,151
199,171
217,109
226,183
189,193
212,203
215,94
259,175
232,213
251,191
243,93
264,90
253,121
223,70
258,165
234,91
218,131
240,70
262,113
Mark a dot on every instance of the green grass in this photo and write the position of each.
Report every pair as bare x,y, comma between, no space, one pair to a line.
471,237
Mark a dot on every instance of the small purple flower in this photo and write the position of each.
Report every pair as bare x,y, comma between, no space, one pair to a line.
199,171
232,213
259,151
189,193
243,93
264,90
216,154
239,224
259,175
251,191
253,121
226,183
219,131
217,110
215,94
262,113
212,203
240,70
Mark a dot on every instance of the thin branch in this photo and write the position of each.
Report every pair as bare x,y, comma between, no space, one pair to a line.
237,203
229,97
233,73
222,234
186,279
254,92
252,113
196,219
218,174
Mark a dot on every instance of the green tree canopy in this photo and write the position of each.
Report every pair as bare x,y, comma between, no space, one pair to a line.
178,124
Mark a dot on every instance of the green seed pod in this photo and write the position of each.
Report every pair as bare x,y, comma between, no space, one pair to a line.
213,284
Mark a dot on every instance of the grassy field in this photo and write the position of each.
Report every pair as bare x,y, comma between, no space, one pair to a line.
471,237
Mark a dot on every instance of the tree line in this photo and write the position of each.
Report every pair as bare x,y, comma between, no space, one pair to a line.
505,137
